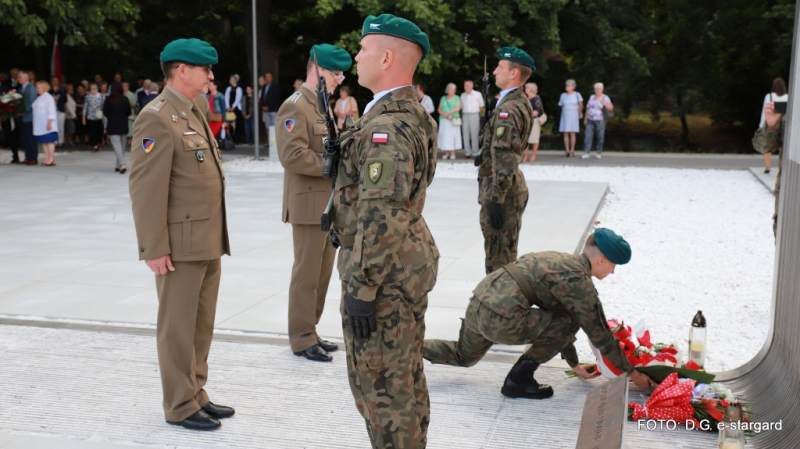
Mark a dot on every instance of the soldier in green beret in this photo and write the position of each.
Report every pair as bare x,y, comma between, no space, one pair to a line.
300,133
769,139
502,191
177,188
388,259
542,299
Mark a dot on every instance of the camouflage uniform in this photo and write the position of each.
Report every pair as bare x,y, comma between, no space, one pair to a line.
388,256
499,312
769,140
499,178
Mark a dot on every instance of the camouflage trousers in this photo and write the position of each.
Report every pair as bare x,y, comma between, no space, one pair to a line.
500,245
386,370
547,332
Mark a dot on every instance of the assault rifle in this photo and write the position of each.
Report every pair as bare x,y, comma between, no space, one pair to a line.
332,148
486,112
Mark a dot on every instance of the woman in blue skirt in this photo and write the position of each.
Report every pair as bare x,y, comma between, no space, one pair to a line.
45,122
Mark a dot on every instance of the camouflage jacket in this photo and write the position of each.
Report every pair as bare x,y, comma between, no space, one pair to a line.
562,283
506,136
387,163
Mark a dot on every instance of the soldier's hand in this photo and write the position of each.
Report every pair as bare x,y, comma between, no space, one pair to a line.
770,116
642,381
495,214
581,371
160,265
361,315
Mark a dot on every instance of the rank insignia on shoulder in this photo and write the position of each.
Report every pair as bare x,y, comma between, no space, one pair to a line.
295,96
380,137
289,124
147,144
375,171
500,131
502,115
157,107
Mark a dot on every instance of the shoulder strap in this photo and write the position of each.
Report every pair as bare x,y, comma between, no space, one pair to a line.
523,283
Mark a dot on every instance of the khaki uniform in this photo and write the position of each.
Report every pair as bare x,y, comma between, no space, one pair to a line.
177,188
770,140
388,256
564,301
300,130
499,178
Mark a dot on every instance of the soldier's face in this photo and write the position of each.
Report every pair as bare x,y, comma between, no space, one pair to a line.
502,74
603,268
197,78
369,61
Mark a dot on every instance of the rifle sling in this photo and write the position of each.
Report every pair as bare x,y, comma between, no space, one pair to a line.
523,284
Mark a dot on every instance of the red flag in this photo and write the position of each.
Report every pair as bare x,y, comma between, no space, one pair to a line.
55,61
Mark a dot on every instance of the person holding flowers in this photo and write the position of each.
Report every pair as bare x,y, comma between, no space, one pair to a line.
542,299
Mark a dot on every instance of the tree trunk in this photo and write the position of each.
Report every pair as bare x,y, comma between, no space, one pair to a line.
684,140
267,52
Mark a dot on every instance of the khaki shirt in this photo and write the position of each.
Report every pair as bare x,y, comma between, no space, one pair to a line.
300,130
177,183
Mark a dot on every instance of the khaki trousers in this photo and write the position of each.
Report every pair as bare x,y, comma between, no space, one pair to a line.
187,304
311,273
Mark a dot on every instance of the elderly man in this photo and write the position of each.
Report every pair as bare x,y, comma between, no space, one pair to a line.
388,259
29,95
542,299
177,188
471,106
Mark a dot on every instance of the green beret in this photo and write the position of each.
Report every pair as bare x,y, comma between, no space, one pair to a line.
332,57
190,51
395,26
613,246
517,55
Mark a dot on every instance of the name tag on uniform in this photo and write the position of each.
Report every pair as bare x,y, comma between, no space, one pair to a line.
189,133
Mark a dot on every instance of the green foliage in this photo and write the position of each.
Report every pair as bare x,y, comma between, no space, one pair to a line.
103,23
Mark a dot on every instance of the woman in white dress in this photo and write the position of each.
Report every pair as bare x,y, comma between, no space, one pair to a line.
450,122
571,103
779,93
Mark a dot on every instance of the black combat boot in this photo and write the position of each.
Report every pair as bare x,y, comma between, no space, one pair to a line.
521,384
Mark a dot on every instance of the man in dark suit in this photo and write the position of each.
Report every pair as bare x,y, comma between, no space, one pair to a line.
270,102
11,126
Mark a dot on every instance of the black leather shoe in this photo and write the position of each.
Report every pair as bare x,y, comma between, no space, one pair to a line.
199,421
316,354
521,384
218,411
328,346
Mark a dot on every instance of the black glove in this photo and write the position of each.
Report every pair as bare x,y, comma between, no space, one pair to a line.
361,315
495,214
478,160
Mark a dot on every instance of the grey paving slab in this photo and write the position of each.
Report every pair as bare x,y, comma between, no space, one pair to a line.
68,246
767,179
64,387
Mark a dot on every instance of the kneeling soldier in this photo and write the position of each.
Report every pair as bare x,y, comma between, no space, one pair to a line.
542,299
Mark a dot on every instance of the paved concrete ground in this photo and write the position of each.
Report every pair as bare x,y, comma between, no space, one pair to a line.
616,158
768,179
68,248
88,390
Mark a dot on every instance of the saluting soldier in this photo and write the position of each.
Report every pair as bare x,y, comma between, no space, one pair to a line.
177,187
300,136
769,139
502,191
542,299
388,259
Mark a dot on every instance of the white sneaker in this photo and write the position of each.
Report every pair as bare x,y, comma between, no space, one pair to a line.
584,156
599,156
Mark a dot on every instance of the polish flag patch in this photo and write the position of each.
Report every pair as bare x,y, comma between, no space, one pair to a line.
503,115
380,137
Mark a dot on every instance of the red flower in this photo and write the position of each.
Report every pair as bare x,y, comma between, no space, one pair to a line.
627,347
662,357
669,350
692,365
645,358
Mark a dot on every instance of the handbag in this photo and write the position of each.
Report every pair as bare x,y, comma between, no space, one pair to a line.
542,119
607,115
98,115
457,121
230,116
226,142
